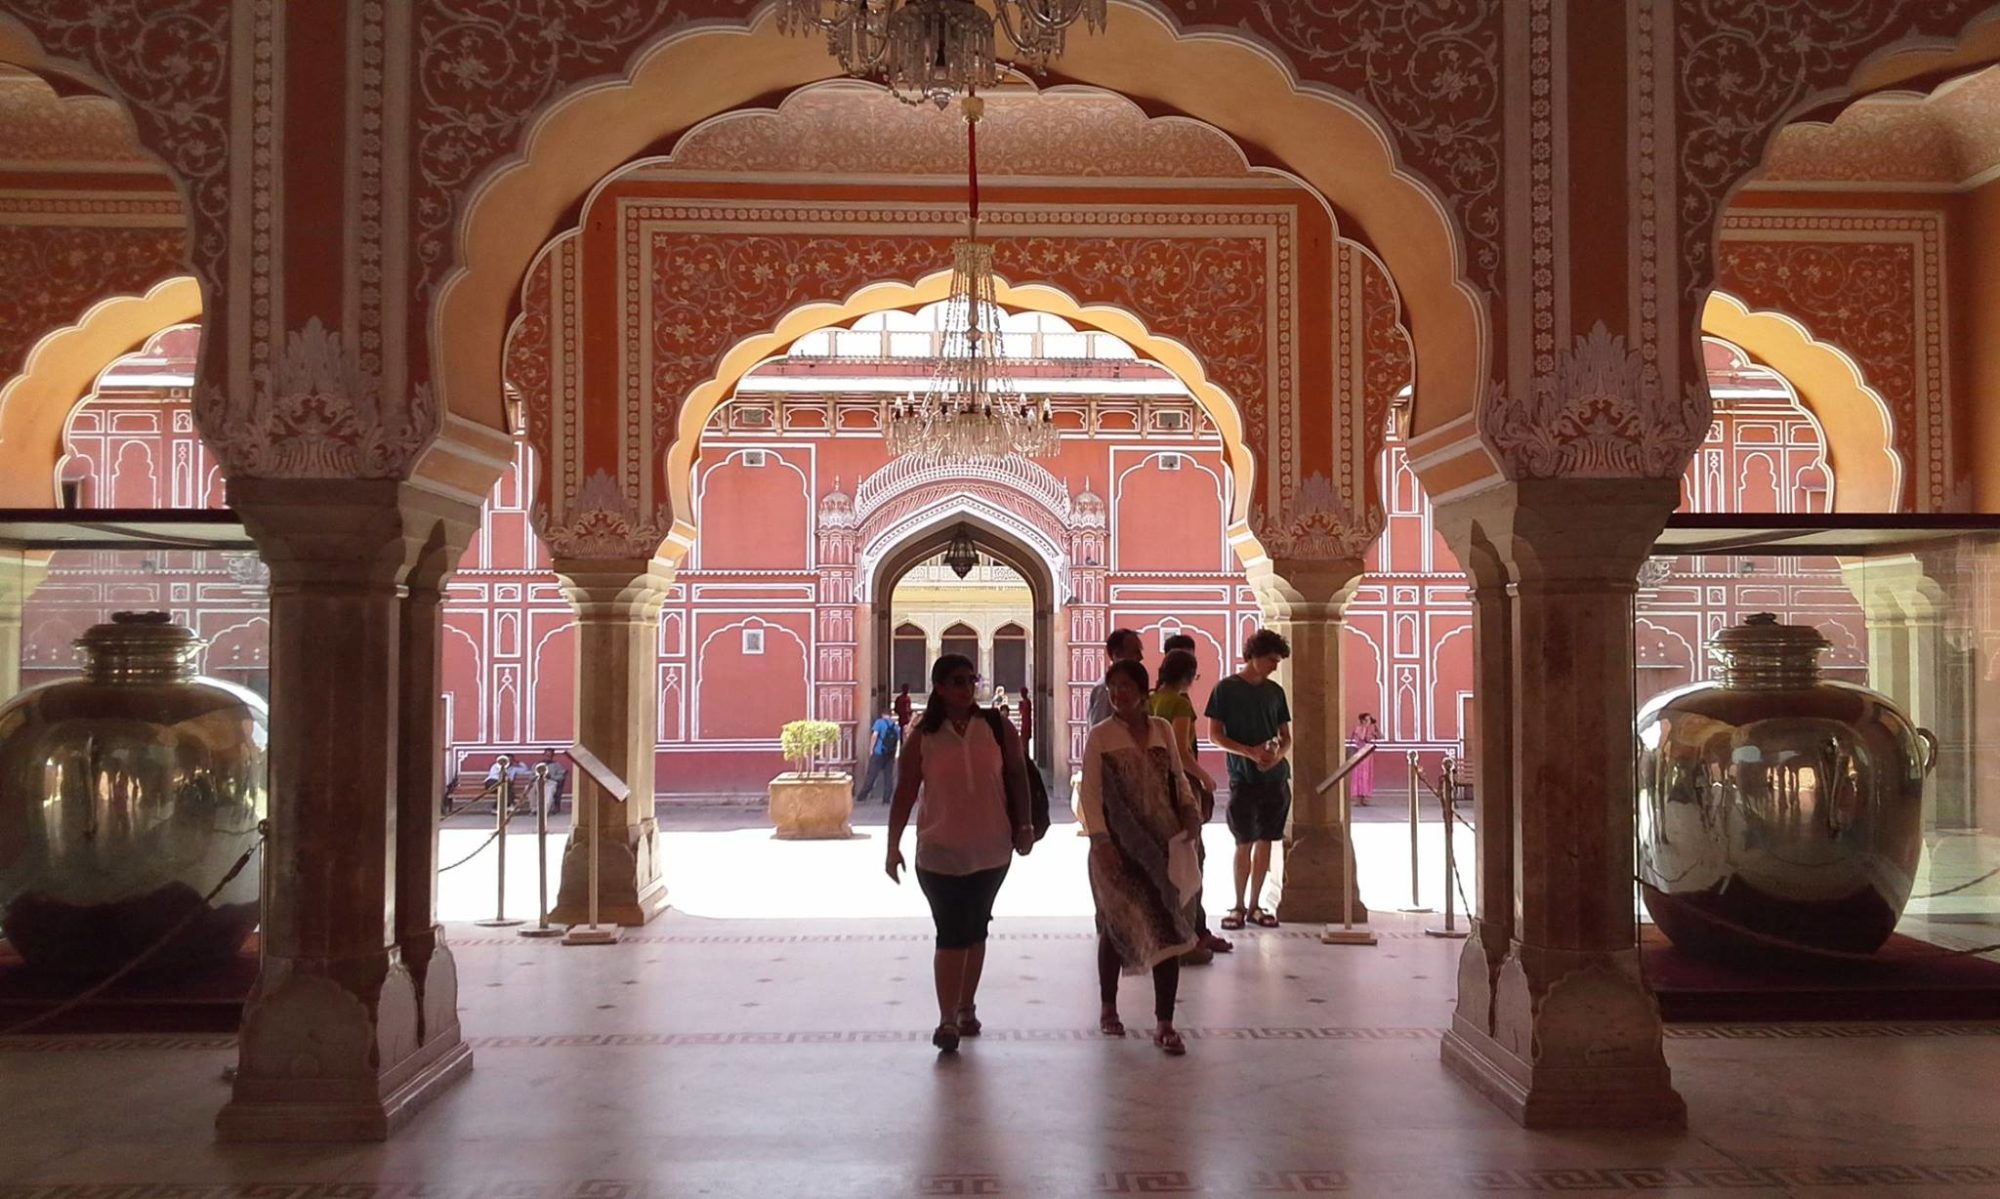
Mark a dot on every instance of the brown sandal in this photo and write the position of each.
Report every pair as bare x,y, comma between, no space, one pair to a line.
968,1022
1111,1026
1170,1043
1234,920
1262,918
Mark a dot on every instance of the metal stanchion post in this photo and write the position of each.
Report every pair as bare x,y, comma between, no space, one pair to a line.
1347,934
503,807
1450,928
542,928
1416,899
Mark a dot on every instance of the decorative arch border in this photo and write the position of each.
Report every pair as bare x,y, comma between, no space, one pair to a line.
1326,141
1860,431
881,541
35,406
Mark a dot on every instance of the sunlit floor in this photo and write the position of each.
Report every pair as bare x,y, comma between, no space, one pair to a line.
768,1037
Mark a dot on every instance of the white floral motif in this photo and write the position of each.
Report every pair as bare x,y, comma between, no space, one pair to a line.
318,415
1600,414
603,521
1320,525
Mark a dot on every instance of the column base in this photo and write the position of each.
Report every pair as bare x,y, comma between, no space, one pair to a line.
1579,1047
630,888
1315,870
326,1061
311,1120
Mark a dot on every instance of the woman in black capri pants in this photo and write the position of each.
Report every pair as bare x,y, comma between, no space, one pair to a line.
964,773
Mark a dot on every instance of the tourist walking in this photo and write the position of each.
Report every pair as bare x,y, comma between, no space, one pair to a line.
903,706
963,773
1249,719
1361,780
1169,701
1138,804
884,739
1124,645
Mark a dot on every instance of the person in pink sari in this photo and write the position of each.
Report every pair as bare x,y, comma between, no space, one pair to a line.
1361,784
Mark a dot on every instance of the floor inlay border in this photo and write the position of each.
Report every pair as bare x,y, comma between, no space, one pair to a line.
127,1042
1309,1181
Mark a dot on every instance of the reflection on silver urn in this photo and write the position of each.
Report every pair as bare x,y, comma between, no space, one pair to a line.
1779,803
125,796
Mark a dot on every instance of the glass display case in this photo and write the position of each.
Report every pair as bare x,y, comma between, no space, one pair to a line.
1904,606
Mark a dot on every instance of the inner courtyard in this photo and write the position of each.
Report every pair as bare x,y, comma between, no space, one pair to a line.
570,443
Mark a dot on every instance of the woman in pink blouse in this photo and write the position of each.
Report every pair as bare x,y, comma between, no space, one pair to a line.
963,772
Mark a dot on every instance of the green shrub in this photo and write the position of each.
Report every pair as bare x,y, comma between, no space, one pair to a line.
804,740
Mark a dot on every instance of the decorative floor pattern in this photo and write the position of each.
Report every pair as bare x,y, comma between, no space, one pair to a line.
1313,1181
115,1042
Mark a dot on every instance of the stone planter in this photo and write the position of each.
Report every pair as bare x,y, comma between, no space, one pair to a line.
810,807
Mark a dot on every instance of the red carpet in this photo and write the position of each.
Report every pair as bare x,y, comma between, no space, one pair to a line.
211,1002
1904,982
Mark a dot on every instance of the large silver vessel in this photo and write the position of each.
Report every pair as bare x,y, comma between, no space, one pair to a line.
1777,809
125,796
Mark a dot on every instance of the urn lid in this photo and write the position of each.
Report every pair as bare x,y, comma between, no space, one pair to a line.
1763,652
139,647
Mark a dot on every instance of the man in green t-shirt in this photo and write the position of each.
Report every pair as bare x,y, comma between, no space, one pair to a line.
1250,720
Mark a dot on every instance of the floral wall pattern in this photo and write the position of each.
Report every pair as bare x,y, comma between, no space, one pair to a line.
1872,284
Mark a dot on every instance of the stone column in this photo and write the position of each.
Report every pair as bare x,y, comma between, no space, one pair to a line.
331,1047
617,718
1306,605
420,766
21,571
1489,744
1575,1037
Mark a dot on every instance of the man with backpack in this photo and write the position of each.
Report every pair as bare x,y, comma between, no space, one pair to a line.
887,738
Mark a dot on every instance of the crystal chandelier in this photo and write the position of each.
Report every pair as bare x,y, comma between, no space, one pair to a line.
971,409
938,49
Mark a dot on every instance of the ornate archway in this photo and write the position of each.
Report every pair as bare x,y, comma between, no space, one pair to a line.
1860,444
1313,134
900,546
60,370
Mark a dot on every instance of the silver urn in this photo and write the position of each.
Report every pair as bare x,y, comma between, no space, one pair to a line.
1778,810
125,796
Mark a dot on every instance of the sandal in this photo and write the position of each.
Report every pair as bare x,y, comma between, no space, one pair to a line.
1234,920
946,1038
1262,918
1170,1043
968,1022
1111,1025
1215,944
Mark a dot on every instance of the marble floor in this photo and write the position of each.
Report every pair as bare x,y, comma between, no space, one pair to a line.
768,1037
781,1057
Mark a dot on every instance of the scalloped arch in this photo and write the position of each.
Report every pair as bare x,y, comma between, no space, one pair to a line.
36,404
1860,434
1327,142
879,297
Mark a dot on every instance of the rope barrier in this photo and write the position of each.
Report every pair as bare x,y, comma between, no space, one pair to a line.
490,839
180,926
1960,887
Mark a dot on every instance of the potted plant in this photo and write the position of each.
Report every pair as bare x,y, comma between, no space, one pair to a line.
806,802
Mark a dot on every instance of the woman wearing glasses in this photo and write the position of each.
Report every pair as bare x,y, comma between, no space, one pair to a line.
963,772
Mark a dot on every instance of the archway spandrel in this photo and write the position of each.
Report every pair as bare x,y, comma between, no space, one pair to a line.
1741,71
1235,286
76,266
1871,284
168,65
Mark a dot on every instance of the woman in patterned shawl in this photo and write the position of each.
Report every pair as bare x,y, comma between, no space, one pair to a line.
1135,801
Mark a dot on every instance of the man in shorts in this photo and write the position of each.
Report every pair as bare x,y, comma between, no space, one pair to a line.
1124,645
1249,718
